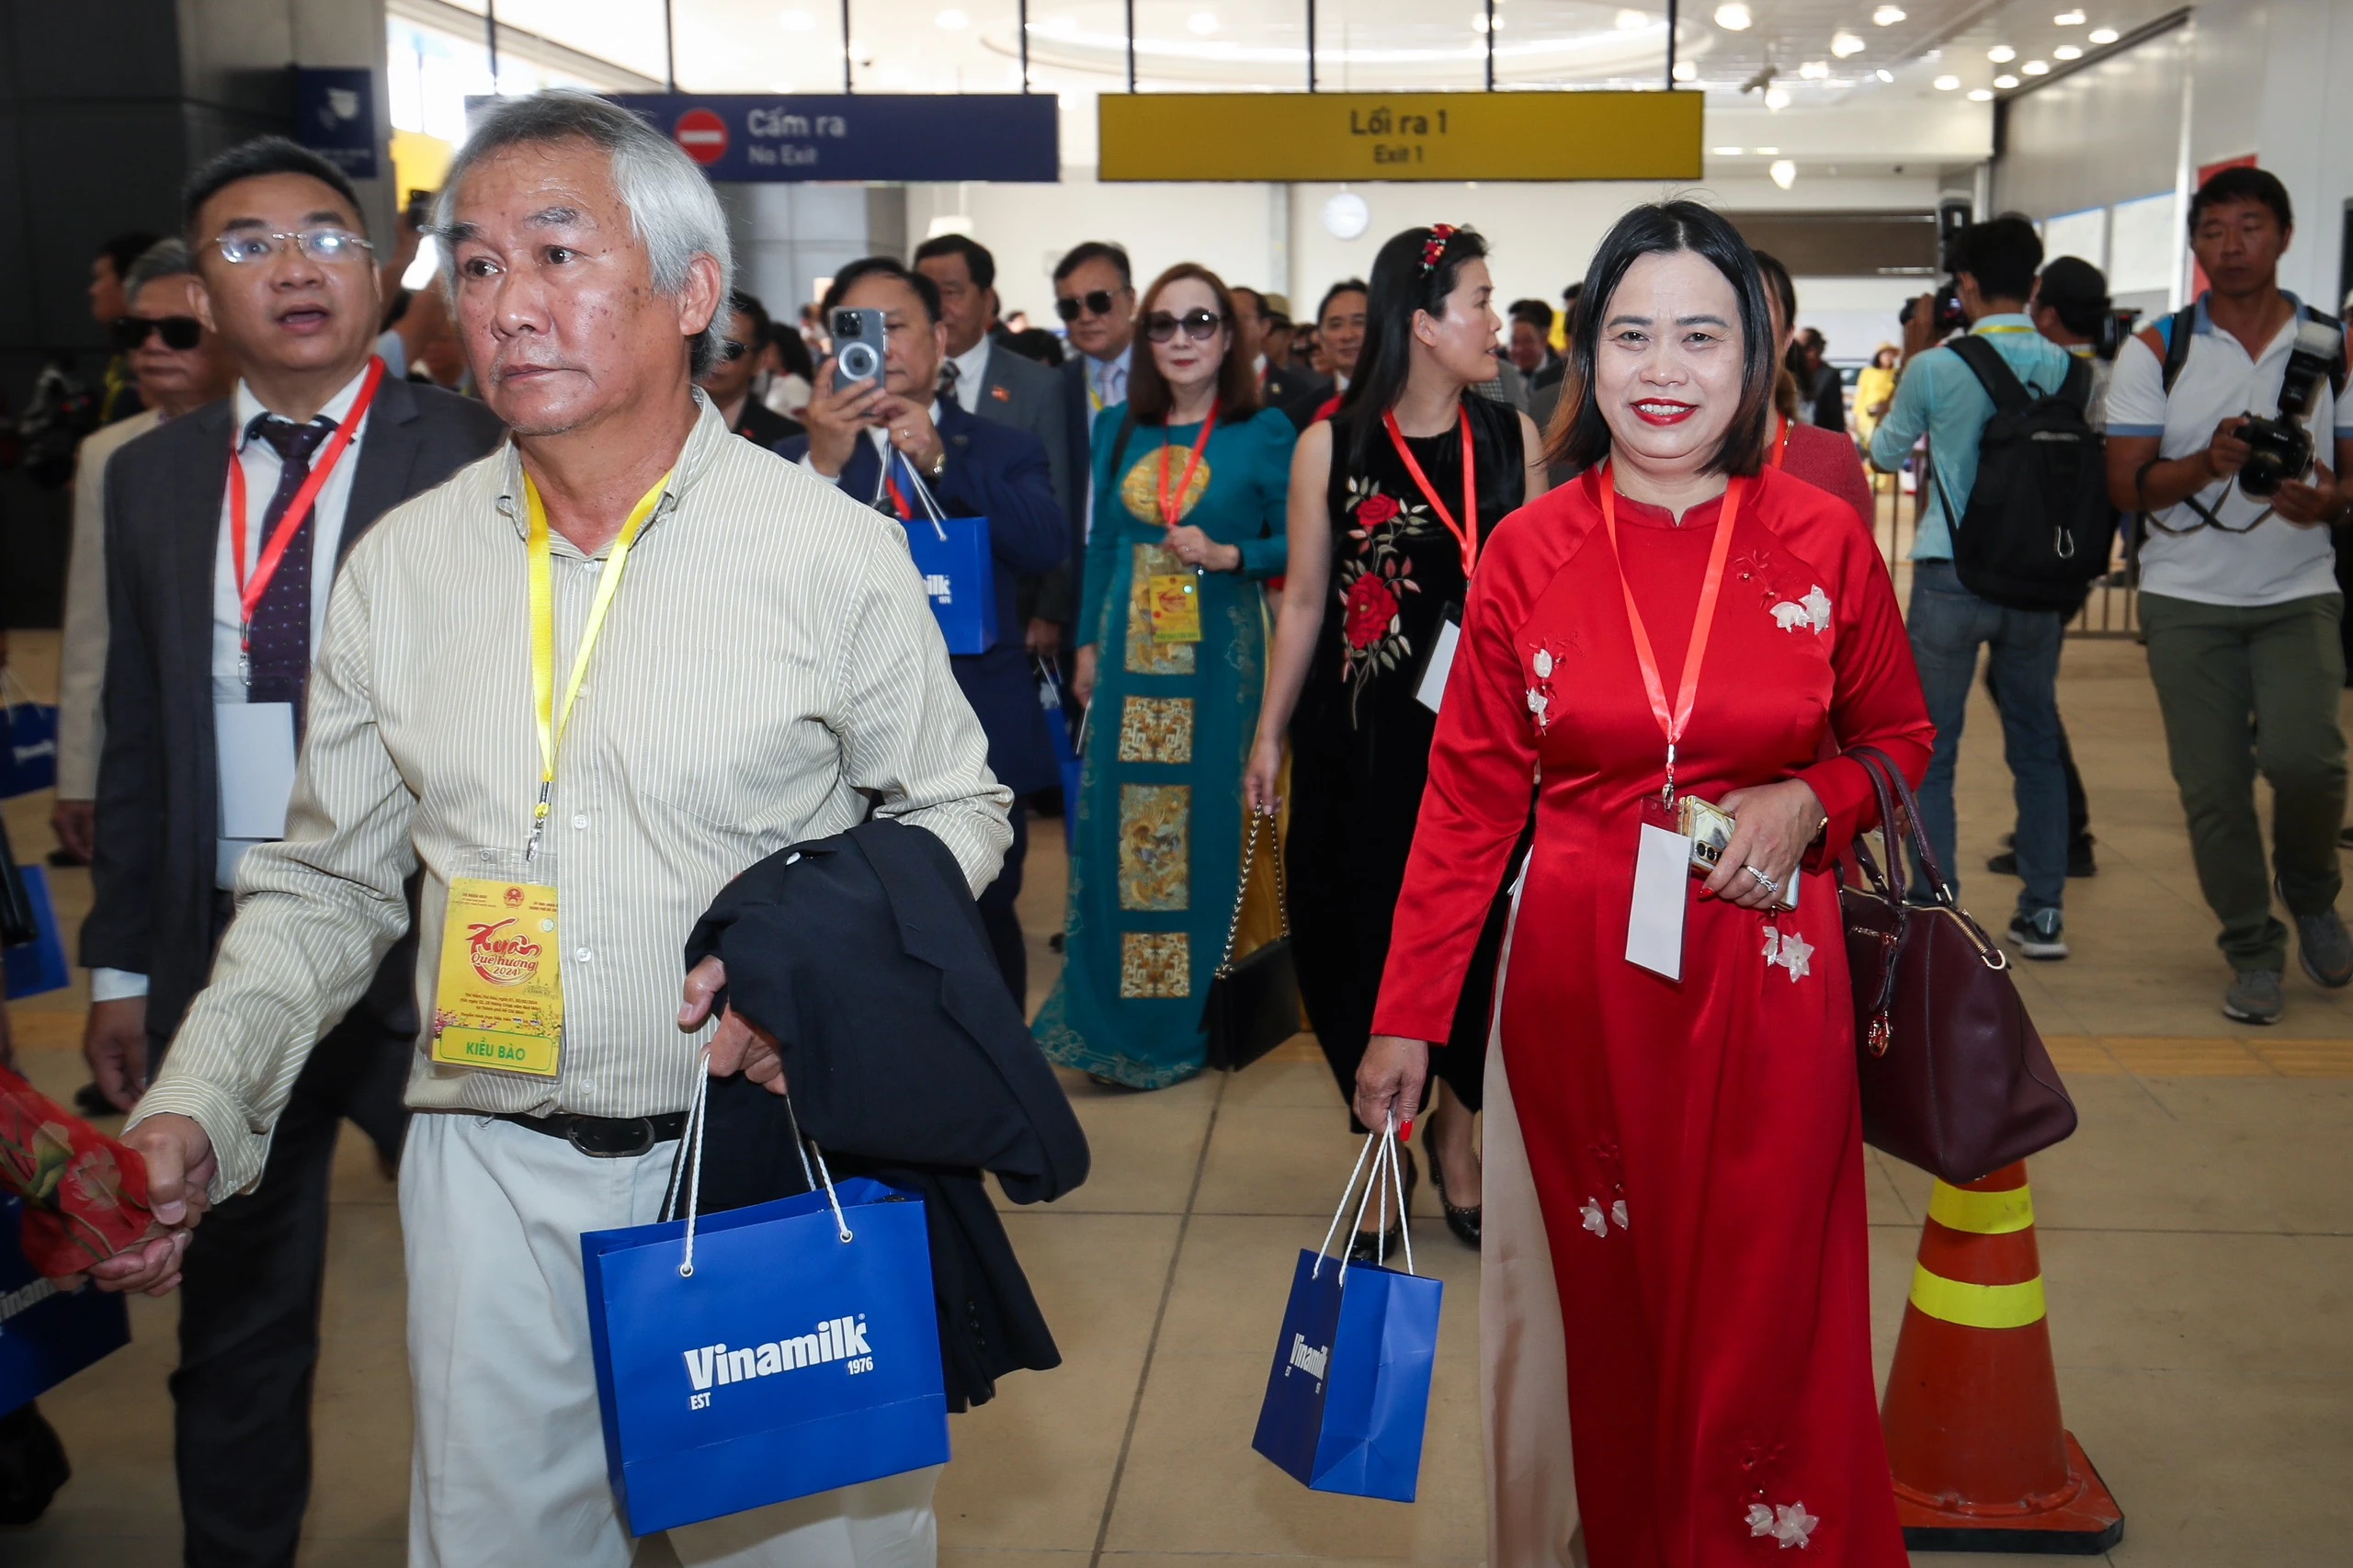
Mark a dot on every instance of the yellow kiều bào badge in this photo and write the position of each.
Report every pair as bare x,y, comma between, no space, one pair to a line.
499,1007
1175,601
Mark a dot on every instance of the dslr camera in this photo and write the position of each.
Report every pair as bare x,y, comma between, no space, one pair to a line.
2281,447
1948,318
860,340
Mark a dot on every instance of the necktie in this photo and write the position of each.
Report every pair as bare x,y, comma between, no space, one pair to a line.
949,371
280,652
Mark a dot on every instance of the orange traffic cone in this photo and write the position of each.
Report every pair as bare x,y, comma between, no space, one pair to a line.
1971,1414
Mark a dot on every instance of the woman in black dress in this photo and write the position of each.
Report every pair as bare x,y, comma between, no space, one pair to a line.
1383,545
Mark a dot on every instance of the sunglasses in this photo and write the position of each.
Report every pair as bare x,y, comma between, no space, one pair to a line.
182,332
1096,302
731,350
1199,325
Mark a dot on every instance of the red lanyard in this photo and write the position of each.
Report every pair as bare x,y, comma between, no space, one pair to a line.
1466,533
1170,511
1673,724
250,589
1781,447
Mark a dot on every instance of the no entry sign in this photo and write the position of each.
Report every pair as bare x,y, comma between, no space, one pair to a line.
703,134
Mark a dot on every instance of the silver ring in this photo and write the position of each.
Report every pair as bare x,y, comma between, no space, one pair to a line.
1768,883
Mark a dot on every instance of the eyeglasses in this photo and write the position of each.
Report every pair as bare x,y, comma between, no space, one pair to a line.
243,246
1199,325
731,350
1096,301
182,332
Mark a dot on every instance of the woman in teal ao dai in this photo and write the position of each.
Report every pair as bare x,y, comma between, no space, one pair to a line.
1157,850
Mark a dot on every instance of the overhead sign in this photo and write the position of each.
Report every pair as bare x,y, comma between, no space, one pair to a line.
1400,136
861,136
335,116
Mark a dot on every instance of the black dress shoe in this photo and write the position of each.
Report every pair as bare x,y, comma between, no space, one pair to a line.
91,1101
1464,1222
1367,1246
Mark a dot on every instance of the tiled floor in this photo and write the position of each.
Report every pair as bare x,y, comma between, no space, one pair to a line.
2196,1237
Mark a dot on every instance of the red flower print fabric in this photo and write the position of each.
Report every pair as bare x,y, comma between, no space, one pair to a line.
85,1195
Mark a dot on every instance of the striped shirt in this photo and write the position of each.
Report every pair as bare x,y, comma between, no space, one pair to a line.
770,669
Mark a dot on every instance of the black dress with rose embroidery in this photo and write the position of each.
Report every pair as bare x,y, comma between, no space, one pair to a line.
1360,739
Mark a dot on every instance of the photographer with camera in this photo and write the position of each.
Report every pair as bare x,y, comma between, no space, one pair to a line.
2239,598
1942,391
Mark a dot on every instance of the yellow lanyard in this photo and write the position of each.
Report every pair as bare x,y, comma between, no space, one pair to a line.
552,722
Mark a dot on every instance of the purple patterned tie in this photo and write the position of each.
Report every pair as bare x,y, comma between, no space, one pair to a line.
280,649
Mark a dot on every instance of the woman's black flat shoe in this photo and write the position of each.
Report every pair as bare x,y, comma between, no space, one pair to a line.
1464,1222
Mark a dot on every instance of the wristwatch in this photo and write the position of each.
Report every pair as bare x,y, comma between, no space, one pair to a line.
938,464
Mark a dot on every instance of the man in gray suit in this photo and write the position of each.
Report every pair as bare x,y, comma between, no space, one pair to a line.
984,379
224,529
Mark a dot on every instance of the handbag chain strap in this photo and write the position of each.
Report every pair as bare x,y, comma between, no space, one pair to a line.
1242,890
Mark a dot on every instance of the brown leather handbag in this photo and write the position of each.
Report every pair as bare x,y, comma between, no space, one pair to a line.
1955,1080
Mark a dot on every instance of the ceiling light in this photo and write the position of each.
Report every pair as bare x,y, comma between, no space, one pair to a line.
2068,51
1814,70
1980,95
1479,23
2068,19
2103,35
1345,215
1844,44
952,21
1887,16
2001,54
796,21
1946,83
1734,17
1632,21
1776,99
1201,23
2036,67
2005,81
1884,74
1686,71
1768,152
1784,172
1726,152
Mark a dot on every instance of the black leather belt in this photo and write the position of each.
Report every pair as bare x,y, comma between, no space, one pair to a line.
605,1137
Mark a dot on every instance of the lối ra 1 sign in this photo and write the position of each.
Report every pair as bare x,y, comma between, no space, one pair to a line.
1401,136
861,136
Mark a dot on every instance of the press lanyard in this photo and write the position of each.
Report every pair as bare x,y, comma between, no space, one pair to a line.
1170,511
250,589
552,721
1466,533
1672,724
1781,447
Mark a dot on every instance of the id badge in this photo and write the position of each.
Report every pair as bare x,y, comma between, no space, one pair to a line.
1176,600
1430,690
499,1005
1662,880
256,748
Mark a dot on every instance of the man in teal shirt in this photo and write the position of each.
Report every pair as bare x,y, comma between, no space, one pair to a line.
1939,396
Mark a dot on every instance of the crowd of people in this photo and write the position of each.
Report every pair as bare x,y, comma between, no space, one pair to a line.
1427,581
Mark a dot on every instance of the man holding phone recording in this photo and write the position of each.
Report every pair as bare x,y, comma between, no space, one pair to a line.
2239,598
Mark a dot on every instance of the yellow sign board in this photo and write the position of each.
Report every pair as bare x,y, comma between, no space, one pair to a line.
1400,136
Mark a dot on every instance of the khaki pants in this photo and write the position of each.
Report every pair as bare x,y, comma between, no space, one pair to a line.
2249,690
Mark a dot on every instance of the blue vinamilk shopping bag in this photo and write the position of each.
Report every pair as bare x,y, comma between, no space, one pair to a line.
1349,1394
959,578
791,1362
39,965
48,1334
28,748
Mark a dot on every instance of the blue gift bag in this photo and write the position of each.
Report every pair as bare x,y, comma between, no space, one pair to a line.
27,746
1349,1393
765,1353
39,965
955,557
48,1334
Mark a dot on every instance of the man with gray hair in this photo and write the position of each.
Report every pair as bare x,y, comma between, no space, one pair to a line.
608,667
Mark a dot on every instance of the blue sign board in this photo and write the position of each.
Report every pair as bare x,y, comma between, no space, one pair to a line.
861,136
335,116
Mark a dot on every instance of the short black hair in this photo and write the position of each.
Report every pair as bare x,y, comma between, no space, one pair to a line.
1569,295
1535,313
252,160
881,267
125,249
977,259
2078,290
2002,253
1779,285
741,304
1344,286
1258,300
2242,183
1079,255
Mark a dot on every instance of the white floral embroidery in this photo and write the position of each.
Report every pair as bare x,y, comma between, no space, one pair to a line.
1544,663
1790,952
1810,613
1760,1518
1594,1221
1790,1524
1618,1212
1537,703
1817,608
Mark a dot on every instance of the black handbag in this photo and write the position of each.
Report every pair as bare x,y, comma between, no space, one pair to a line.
1253,1006
1954,1078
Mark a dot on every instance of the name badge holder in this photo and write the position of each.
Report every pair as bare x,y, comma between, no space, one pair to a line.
1173,598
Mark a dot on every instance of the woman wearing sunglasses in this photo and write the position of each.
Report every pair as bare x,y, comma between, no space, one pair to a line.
1391,501
1189,481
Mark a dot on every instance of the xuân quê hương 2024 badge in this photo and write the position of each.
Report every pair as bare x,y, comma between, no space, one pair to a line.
499,1005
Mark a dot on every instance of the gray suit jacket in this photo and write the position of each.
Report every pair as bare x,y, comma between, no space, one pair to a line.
1029,396
158,803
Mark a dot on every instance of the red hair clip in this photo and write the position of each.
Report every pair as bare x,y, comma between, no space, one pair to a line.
1433,248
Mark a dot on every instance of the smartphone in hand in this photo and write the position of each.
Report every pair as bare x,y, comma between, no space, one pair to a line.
860,343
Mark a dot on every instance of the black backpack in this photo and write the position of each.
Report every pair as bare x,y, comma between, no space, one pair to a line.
2036,532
